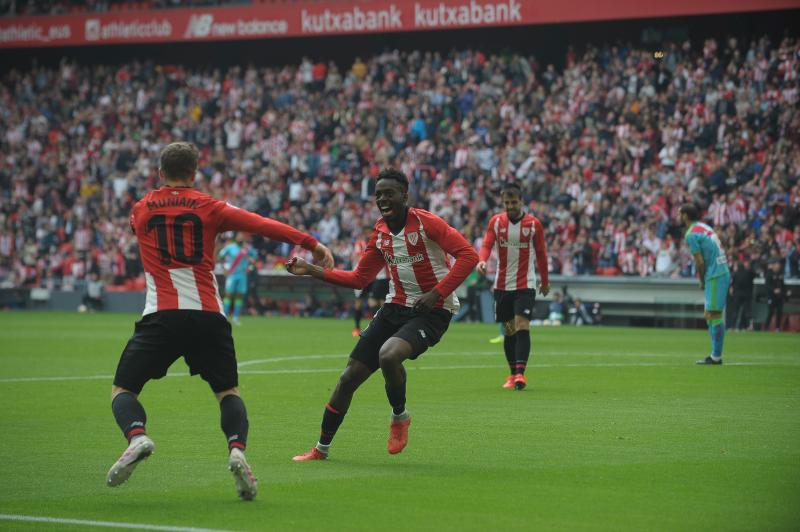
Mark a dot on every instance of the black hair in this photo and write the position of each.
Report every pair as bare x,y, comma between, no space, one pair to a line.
395,175
512,188
691,211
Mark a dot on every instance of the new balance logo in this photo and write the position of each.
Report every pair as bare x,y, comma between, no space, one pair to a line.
199,26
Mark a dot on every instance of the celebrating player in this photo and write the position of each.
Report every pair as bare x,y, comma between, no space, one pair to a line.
176,226
515,233
413,243
237,256
712,270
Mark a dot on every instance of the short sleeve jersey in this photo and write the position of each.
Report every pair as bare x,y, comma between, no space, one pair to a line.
702,239
522,252
236,258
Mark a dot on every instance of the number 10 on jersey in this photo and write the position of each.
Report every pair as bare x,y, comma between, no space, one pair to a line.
174,249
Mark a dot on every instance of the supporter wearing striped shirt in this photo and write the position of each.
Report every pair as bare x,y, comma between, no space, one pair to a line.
519,238
414,245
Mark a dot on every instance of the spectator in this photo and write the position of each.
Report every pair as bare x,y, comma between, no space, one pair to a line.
328,229
93,298
776,294
555,315
742,295
608,148
580,314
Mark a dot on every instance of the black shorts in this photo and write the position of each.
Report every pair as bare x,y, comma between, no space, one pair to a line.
420,330
508,304
159,339
378,289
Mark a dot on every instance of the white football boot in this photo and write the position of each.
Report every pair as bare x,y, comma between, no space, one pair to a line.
245,481
140,448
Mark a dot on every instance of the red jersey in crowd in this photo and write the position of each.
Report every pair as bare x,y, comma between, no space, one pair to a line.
177,228
416,258
515,240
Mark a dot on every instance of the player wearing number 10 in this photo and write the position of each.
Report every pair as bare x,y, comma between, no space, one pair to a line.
176,227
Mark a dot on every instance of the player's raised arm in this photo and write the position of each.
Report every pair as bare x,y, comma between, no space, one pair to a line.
486,247
366,270
235,219
540,247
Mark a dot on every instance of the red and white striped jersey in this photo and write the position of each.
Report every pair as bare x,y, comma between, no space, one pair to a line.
515,269
358,251
176,228
416,258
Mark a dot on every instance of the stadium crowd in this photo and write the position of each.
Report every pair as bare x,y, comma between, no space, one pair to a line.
605,150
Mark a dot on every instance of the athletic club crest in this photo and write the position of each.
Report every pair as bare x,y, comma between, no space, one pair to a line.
526,231
413,237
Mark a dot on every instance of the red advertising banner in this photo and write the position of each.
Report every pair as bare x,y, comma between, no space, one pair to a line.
336,18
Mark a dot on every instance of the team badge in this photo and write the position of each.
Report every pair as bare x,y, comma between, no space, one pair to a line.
526,231
413,237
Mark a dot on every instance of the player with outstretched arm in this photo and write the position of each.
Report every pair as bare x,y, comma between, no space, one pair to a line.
176,227
414,245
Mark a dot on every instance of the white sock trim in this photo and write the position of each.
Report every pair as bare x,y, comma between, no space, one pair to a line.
401,416
322,448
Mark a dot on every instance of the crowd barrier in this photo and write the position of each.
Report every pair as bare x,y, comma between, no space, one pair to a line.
623,300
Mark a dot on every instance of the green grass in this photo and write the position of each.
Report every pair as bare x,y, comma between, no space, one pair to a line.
619,431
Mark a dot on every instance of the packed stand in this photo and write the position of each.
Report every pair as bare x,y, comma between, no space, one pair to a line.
605,150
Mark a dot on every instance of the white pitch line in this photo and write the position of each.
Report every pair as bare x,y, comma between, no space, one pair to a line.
434,354
344,356
105,524
479,366
58,379
498,366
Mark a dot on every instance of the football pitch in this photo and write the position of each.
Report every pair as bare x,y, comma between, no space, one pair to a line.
619,430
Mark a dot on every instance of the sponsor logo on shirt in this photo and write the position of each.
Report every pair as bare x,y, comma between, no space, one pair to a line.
505,243
419,257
